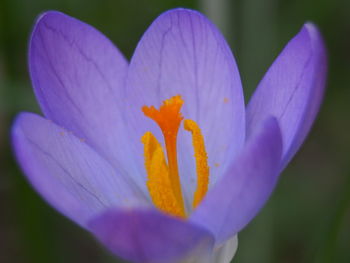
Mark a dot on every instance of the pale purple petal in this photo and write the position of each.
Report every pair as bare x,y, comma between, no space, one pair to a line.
184,53
78,77
292,90
67,172
243,190
149,236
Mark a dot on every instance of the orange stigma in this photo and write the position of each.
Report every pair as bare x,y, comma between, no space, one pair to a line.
163,181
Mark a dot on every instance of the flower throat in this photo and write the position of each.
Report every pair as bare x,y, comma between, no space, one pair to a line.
163,181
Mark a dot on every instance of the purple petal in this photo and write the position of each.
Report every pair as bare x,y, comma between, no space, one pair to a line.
292,90
149,236
184,53
240,194
67,172
78,78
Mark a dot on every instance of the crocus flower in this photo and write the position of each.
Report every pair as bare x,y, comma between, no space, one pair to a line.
158,157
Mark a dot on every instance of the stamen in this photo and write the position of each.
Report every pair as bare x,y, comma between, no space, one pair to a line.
158,184
201,157
163,178
169,118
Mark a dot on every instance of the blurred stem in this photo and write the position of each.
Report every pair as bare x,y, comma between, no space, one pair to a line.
329,249
218,11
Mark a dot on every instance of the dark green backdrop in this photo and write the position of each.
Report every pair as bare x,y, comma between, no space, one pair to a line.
307,220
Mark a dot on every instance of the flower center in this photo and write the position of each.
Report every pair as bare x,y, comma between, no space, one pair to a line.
163,176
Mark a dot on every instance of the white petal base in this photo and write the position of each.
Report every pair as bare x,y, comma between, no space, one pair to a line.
222,254
226,252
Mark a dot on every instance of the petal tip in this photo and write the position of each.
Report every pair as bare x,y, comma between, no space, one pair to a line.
314,35
18,130
311,27
52,17
48,14
16,124
309,34
182,10
39,23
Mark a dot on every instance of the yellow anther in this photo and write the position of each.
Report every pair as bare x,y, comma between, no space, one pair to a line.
201,157
158,183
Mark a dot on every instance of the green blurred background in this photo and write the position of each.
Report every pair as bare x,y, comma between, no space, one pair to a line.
308,217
